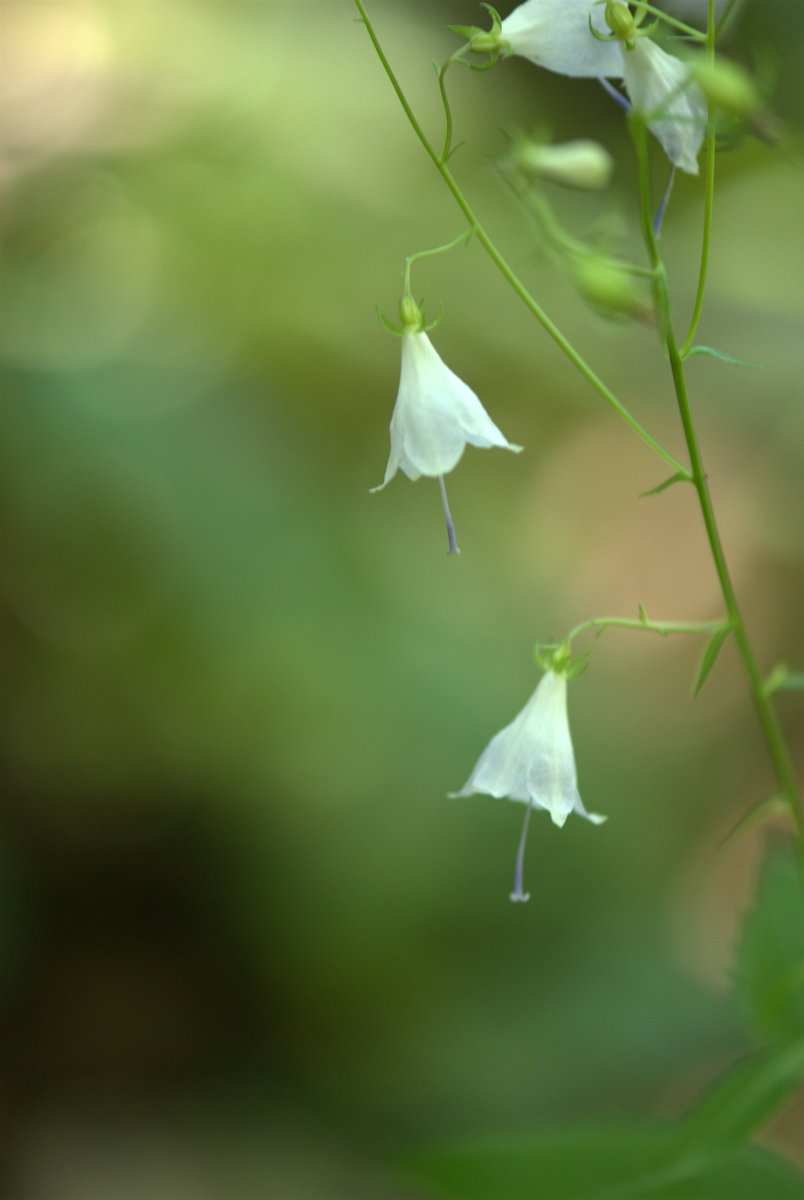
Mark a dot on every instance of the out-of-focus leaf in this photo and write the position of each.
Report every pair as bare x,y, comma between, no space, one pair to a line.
633,1162
743,1101
782,679
769,976
792,682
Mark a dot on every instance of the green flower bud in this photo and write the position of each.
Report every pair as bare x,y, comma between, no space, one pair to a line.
620,21
727,87
579,164
411,316
609,285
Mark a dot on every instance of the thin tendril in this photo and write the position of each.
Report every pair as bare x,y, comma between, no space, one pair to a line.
664,628
689,30
412,258
709,199
726,16
442,87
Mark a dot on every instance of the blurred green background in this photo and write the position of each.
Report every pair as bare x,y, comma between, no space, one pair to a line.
248,947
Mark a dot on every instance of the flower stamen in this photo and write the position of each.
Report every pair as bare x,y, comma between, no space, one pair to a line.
616,96
517,894
657,220
453,545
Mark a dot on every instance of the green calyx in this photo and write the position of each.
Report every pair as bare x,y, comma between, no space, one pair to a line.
411,316
559,660
484,41
624,26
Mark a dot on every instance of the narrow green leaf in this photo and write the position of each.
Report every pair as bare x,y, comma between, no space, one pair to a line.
610,1162
710,654
666,483
769,975
727,358
743,1101
643,615
771,808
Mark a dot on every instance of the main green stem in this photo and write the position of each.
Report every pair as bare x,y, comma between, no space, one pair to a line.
509,274
774,738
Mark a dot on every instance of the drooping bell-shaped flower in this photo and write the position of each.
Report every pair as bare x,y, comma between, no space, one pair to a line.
532,761
555,34
436,415
661,89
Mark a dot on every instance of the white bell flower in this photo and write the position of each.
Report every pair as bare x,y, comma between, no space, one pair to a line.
660,88
555,34
436,415
532,761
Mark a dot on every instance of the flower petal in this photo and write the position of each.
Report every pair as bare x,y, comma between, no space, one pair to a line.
502,768
595,818
676,113
555,34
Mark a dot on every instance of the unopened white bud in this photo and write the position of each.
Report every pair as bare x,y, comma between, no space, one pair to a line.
579,164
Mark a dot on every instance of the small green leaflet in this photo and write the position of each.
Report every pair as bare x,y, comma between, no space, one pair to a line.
666,483
727,358
771,808
709,656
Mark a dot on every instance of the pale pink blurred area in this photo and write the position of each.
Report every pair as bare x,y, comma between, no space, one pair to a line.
57,68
